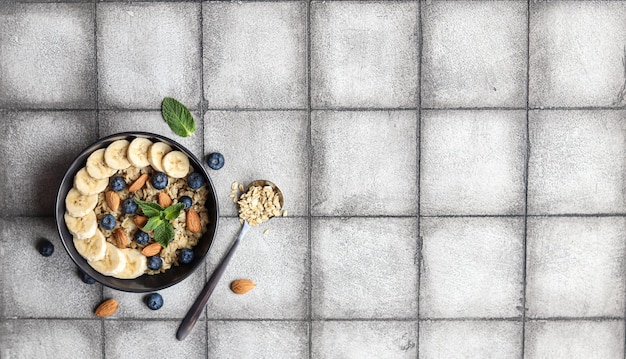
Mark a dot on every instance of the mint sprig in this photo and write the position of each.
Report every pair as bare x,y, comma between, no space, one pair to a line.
178,117
159,220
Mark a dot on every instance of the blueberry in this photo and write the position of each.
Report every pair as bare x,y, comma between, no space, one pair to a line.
215,160
129,206
86,278
141,237
154,301
117,183
108,222
159,180
155,262
195,180
186,200
45,247
186,255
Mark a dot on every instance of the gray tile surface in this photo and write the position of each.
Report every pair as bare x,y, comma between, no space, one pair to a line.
576,267
256,145
49,339
375,153
574,339
148,51
359,339
364,268
472,162
576,53
35,153
453,173
581,172
147,339
48,56
276,262
255,54
470,339
472,267
474,54
257,339
364,54
32,286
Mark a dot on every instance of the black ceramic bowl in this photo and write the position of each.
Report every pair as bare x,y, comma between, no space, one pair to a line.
144,283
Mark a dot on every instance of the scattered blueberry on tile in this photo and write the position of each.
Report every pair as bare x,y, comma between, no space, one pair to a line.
154,301
215,160
86,278
45,247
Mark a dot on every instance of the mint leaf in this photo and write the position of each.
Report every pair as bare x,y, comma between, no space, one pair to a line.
173,211
178,117
150,209
164,233
153,222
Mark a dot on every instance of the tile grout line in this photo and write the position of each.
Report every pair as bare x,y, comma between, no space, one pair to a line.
526,161
418,156
309,152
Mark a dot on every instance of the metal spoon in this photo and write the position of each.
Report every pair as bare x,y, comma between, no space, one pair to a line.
196,309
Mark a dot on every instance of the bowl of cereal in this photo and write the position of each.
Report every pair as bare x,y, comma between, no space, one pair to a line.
137,211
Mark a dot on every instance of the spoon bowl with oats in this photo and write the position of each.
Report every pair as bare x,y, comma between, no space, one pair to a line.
262,201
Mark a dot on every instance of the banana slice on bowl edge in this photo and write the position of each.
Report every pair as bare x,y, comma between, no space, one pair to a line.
92,248
97,167
82,227
176,164
115,155
138,152
113,262
156,153
136,264
88,185
78,204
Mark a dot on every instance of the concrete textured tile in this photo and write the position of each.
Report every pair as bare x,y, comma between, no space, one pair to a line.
34,286
148,51
48,56
176,299
260,145
470,339
364,54
257,339
577,49
139,339
474,54
574,340
50,339
364,268
355,339
255,54
364,163
276,262
110,122
575,267
39,146
577,162
472,267
472,162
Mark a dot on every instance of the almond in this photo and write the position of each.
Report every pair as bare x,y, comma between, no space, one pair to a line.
113,200
193,221
106,308
242,286
139,182
140,221
164,200
151,250
121,239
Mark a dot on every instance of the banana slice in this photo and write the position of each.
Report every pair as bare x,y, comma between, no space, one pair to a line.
176,164
82,227
156,153
138,152
93,248
96,167
114,261
88,185
78,204
115,155
136,264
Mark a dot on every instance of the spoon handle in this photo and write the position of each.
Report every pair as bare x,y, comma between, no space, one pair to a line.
196,309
